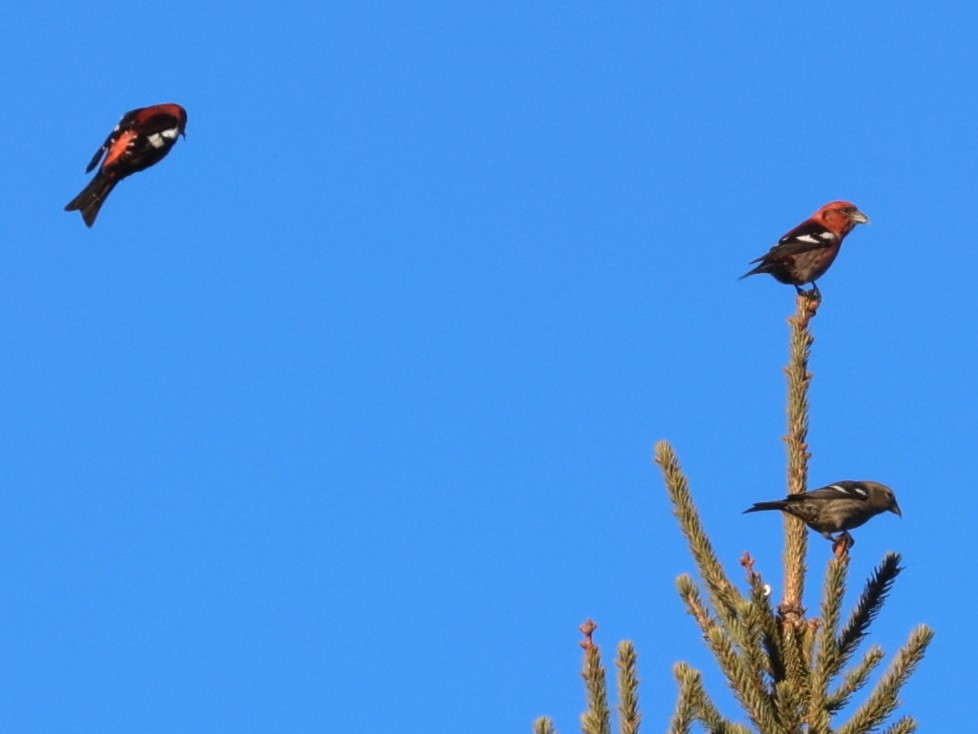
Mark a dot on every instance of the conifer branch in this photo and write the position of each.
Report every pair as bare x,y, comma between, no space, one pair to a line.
752,643
832,597
597,718
773,641
855,679
759,615
793,692
870,602
690,594
796,646
716,724
705,710
725,596
685,713
906,725
884,700
628,716
788,706
799,377
818,714
746,684
544,725
828,660
745,679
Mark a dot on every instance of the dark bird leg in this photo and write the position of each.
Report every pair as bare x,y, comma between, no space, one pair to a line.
812,294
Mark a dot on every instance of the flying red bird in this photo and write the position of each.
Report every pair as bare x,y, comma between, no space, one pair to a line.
806,252
142,138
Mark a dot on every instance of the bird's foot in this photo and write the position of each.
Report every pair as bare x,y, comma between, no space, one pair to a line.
812,294
809,300
842,544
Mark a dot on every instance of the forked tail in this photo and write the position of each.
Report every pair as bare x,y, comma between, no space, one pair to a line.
90,200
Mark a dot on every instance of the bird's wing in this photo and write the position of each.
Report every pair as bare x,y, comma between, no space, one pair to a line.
809,235
838,491
124,124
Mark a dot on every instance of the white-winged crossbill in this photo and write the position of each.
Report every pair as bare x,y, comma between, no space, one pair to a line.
806,252
142,137
837,508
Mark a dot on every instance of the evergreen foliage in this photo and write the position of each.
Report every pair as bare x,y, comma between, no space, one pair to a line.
790,673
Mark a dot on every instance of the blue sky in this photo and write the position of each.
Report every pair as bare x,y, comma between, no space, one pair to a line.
341,417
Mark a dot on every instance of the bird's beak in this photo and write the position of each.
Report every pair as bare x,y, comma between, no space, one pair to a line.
857,217
895,509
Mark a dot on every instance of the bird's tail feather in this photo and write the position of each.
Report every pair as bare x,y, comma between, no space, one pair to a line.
90,200
762,268
758,506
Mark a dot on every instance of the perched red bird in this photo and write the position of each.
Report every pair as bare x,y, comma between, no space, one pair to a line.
806,252
142,137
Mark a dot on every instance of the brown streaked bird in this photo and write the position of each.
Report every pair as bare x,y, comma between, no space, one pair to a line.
836,508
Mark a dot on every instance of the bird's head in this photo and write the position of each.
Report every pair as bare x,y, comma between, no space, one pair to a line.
883,497
177,112
840,216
